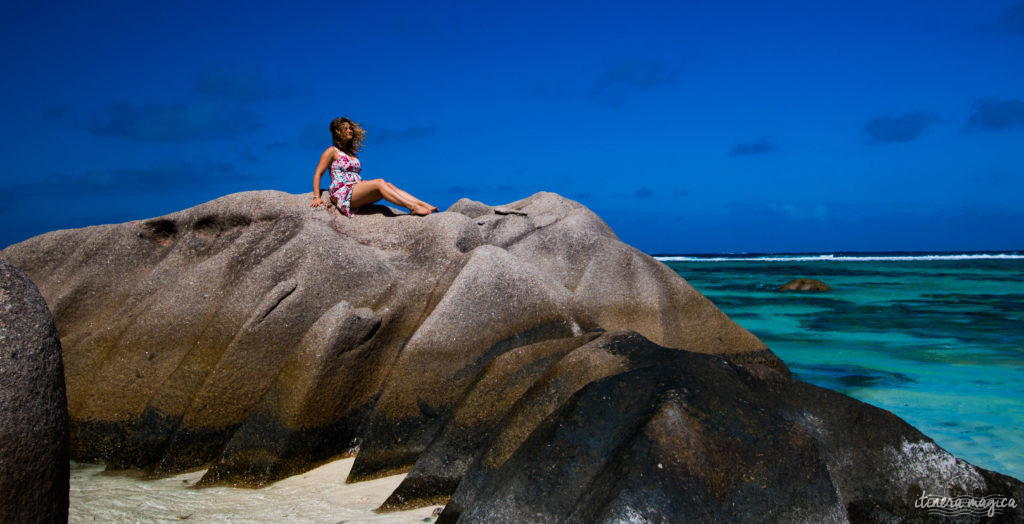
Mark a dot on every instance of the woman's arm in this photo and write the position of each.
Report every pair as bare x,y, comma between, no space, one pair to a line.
325,161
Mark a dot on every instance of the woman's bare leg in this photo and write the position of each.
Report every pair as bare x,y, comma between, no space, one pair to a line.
370,191
409,197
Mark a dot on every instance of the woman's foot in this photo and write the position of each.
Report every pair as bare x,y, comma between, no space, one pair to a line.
432,209
421,209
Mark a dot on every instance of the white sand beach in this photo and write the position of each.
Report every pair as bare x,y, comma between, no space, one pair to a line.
319,495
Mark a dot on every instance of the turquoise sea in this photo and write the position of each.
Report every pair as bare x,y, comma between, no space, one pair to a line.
936,338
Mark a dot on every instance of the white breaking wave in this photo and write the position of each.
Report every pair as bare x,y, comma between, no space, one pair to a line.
844,258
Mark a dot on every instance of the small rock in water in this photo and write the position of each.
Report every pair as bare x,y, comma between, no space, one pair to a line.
805,284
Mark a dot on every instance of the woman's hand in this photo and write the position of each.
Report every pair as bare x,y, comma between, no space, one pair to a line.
317,202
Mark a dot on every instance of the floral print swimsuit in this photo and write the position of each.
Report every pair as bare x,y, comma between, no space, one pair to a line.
344,174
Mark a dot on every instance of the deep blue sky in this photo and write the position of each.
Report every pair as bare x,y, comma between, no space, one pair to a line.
689,126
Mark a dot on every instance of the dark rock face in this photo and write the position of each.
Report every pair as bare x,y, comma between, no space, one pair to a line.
261,337
805,284
676,436
34,468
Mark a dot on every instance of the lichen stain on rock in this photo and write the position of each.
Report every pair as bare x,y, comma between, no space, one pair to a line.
159,231
217,224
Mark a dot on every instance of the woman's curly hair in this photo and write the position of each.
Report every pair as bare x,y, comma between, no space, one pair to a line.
349,147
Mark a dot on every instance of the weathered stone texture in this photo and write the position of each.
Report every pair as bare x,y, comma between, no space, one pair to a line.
34,467
519,361
261,336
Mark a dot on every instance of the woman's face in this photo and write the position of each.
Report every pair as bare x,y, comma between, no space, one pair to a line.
346,131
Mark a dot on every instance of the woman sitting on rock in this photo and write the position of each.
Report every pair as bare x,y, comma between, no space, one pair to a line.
348,190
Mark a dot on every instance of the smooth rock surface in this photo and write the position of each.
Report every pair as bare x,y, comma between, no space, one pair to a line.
519,361
34,467
262,337
660,435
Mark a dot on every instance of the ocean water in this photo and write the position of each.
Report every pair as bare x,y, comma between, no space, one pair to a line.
937,339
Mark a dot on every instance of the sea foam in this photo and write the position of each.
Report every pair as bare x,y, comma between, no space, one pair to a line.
826,257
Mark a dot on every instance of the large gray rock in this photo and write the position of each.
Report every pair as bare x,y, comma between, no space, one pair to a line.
262,337
34,466
477,349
